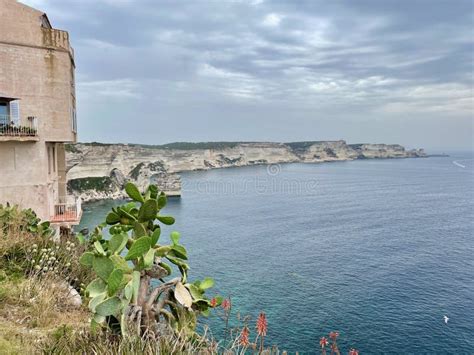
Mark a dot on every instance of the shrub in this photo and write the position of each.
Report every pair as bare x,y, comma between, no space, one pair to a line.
100,183
19,229
13,220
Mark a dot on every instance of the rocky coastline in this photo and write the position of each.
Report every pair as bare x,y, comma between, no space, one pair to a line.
98,171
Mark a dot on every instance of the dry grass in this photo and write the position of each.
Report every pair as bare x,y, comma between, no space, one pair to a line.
17,340
30,311
85,342
32,304
39,303
13,246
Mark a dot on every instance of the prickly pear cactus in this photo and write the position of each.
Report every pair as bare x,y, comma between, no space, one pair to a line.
134,268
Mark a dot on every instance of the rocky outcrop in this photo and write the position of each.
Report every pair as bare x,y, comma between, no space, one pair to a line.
97,171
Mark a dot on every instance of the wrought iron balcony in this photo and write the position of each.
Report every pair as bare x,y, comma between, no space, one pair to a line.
10,130
67,212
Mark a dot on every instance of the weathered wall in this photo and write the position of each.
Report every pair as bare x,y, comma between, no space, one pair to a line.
36,65
24,181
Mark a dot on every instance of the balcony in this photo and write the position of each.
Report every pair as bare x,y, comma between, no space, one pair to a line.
69,212
12,131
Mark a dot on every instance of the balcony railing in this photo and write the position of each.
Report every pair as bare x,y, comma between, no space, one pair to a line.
71,211
13,129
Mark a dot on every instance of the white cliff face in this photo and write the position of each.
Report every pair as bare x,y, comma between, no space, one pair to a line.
97,171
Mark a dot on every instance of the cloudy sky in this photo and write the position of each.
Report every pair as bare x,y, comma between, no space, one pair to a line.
395,71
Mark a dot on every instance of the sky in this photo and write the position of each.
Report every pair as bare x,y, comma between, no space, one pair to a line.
153,72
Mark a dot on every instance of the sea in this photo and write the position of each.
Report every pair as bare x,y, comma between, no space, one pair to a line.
378,250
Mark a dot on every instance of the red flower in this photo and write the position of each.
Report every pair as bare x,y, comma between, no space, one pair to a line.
213,302
226,304
333,335
323,342
244,337
262,324
353,352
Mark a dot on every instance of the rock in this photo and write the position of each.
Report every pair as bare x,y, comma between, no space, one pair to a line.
71,297
99,171
117,177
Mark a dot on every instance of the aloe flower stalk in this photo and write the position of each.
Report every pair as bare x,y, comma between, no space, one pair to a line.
334,348
244,337
323,342
227,306
262,326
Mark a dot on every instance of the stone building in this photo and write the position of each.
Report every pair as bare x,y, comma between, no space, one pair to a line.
37,113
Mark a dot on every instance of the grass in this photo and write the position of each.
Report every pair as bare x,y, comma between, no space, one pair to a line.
34,303
70,341
31,309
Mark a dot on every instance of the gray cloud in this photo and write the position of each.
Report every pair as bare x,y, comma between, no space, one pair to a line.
158,71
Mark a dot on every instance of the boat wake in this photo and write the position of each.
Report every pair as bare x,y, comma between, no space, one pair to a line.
459,164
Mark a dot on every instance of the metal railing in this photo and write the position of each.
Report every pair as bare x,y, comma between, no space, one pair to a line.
70,211
14,129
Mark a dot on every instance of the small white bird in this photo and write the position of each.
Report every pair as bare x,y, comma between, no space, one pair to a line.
446,319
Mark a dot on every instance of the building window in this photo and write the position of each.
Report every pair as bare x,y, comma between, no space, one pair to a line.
3,113
51,159
73,114
45,22
15,112
53,155
74,120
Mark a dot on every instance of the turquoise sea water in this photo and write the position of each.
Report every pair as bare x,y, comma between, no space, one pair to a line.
379,250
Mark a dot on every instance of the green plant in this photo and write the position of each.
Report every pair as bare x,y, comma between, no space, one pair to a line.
12,218
59,258
19,229
100,183
71,148
131,267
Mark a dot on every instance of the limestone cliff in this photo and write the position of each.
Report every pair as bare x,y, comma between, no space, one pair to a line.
97,171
